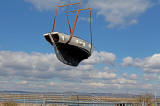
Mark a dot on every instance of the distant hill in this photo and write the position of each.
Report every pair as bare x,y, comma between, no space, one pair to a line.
15,92
74,94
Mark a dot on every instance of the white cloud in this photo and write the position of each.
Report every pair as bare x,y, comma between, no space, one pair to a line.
120,12
124,81
29,66
36,71
125,75
44,4
152,63
97,84
48,4
116,12
133,76
127,61
103,75
117,83
23,82
51,83
150,77
148,64
101,57
37,66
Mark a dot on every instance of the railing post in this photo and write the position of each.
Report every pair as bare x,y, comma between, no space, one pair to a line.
24,100
44,102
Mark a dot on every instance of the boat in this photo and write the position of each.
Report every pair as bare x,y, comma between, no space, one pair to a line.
70,49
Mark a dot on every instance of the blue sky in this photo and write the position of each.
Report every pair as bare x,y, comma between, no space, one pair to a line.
126,39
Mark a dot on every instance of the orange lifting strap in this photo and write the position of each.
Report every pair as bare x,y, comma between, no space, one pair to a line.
75,22
54,20
74,25
90,22
69,25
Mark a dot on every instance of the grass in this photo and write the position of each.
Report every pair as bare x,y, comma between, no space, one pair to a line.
9,104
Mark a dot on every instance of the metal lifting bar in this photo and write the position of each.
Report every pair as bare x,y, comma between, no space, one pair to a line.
69,4
77,10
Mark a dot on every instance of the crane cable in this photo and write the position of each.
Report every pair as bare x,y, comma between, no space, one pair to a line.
91,36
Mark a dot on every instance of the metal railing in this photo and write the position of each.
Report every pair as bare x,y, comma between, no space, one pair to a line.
65,100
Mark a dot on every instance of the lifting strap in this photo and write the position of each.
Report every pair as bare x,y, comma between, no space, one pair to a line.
55,20
75,22
74,26
91,36
71,31
69,25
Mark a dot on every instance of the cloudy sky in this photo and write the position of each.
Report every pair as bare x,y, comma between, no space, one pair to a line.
126,36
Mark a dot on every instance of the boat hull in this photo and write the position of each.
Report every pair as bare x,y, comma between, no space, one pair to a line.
71,53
